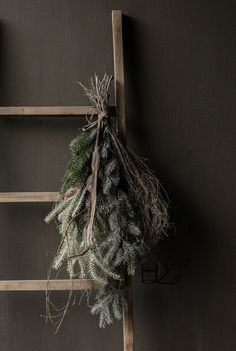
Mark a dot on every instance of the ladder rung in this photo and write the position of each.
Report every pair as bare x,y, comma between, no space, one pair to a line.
29,197
43,285
50,111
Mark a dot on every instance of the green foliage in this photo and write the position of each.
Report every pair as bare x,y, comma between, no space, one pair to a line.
78,168
116,228
108,303
102,175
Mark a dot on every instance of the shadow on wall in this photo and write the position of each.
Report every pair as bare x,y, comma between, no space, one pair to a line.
191,237
3,62
190,226
8,69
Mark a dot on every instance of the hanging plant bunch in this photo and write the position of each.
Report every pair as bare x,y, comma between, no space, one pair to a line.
109,212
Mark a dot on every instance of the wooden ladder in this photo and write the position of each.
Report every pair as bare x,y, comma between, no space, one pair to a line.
78,111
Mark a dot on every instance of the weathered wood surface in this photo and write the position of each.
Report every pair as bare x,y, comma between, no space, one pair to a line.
29,197
43,285
77,284
128,323
119,73
50,111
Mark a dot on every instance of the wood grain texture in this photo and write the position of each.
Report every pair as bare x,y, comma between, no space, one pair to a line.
29,197
50,111
43,285
128,323
119,73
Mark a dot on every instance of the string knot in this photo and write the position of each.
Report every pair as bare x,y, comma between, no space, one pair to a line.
93,123
103,114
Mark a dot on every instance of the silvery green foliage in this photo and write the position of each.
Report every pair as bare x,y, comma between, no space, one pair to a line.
108,304
116,230
111,203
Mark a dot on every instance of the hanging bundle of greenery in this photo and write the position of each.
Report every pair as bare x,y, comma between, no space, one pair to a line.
109,212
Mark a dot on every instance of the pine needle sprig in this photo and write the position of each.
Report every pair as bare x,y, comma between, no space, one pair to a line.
111,208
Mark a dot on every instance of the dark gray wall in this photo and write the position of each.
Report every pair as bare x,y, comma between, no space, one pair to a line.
180,82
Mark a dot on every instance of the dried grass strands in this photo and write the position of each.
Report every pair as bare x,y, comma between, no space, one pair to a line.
111,207
146,190
99,96
142,182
